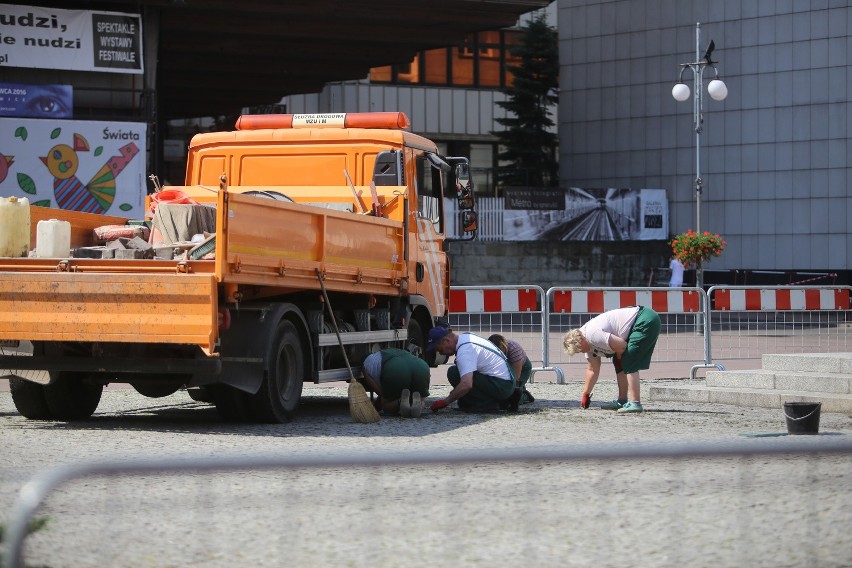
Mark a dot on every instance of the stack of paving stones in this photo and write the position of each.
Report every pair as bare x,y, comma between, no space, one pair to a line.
125,248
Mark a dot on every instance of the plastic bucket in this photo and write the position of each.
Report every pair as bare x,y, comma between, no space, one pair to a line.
802,417
14,226
53,239
168,196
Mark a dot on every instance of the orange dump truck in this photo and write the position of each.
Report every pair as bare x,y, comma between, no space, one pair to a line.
311,211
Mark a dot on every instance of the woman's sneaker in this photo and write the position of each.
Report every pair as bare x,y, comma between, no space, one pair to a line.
631,407
612,405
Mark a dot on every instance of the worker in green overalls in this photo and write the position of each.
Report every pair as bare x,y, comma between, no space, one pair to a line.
399,378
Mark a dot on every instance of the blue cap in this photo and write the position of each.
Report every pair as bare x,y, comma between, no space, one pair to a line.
436,334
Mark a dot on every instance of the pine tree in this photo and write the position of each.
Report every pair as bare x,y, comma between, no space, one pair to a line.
529,148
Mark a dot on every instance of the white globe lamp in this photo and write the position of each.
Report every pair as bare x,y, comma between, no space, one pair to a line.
680,92
717,89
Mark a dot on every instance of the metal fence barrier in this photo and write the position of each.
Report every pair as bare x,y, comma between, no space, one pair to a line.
770,504
680,310
516,312
703,330
746,321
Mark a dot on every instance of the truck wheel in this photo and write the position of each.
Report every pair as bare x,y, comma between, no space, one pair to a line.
232,404
69,397
29,399
416,340
279,394
417,343
383,320
201,394
149,385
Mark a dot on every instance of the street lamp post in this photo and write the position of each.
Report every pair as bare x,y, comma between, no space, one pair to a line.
718,91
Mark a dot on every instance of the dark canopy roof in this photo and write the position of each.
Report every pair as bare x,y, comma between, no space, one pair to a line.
216,56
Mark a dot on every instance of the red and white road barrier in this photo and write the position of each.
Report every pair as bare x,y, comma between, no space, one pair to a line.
779,299
576,301
485,300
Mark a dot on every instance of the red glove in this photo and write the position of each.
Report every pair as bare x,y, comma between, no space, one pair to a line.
439,404
585,400
616,362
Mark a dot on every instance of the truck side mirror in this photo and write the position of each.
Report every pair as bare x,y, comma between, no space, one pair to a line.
469,221
464,185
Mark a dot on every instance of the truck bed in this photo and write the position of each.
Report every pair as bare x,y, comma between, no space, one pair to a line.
263,246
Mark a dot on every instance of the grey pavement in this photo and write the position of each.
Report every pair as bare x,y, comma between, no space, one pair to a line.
790,510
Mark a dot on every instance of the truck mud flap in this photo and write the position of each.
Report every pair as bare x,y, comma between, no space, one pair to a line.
123,308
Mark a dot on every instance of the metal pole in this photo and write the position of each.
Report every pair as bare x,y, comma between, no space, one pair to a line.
698,118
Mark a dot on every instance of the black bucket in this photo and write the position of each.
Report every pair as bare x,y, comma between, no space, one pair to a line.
802,417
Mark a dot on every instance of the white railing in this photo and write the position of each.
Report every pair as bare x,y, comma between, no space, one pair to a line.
490,211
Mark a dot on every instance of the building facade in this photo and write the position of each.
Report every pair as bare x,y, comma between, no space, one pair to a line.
775,154
450,95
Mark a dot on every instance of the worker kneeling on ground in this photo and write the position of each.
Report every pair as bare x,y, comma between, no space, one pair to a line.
400,379
482,379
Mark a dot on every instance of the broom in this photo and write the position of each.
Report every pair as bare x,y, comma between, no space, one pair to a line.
360,407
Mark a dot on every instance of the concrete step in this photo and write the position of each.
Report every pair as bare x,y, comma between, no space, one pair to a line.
807,381
755,397
815,362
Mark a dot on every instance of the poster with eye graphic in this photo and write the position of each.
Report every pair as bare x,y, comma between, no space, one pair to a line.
88,166
36,101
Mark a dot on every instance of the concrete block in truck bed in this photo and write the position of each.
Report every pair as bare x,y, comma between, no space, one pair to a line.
135,243
164,253
94,252
138,244
134,254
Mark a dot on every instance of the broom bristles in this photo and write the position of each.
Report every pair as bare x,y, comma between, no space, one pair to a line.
360,406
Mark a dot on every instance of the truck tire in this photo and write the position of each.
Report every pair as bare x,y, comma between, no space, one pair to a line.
279,394
232,404
29,399
416,340
69,397
148,385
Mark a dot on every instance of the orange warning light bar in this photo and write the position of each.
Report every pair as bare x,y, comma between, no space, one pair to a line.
393,120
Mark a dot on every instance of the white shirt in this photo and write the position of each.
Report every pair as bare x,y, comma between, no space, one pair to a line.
614,322
474,353
676,280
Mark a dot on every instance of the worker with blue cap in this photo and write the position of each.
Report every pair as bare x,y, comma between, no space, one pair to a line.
482,379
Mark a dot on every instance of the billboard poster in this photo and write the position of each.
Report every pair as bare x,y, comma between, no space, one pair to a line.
36,101
537,198
593,214
73,40
89,166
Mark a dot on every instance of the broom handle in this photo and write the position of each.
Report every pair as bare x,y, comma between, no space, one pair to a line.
334,321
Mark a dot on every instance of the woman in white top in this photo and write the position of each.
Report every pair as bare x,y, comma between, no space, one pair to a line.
628,336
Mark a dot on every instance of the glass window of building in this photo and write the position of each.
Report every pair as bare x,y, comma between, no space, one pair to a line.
482,61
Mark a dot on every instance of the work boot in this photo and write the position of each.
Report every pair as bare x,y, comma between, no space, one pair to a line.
405,404
416,405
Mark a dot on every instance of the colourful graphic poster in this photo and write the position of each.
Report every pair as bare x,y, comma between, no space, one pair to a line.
95,167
